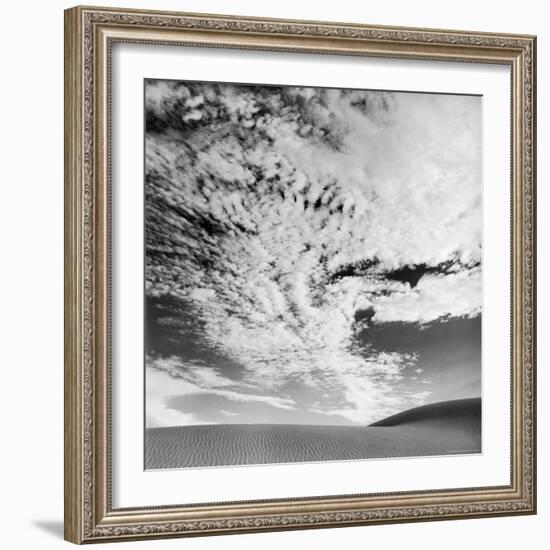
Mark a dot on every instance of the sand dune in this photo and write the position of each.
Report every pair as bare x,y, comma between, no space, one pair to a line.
451,427
460,412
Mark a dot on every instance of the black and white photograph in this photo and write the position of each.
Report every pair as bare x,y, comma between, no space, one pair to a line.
313,274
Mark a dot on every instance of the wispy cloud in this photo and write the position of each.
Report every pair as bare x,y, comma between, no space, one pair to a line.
279,213
171,377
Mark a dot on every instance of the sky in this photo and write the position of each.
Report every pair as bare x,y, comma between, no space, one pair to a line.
313,255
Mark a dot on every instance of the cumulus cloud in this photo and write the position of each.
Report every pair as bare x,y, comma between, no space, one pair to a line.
280,214
435,297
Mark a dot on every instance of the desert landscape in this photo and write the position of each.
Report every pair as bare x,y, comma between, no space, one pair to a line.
445,428
304,300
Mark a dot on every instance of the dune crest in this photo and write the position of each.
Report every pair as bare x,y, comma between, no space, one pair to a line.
458,411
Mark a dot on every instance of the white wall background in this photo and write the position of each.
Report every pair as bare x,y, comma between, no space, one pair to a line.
31,272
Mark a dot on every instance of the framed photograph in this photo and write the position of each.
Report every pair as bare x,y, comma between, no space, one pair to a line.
300,274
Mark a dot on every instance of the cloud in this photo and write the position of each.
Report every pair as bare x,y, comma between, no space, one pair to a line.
453,295
170,377
160,387
230,414
280,213
371,386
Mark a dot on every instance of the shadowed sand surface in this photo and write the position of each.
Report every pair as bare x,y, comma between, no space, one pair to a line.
450,427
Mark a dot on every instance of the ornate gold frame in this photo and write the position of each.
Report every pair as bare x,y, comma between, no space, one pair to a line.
89,35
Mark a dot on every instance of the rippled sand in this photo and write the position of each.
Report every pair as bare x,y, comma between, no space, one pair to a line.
447,428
